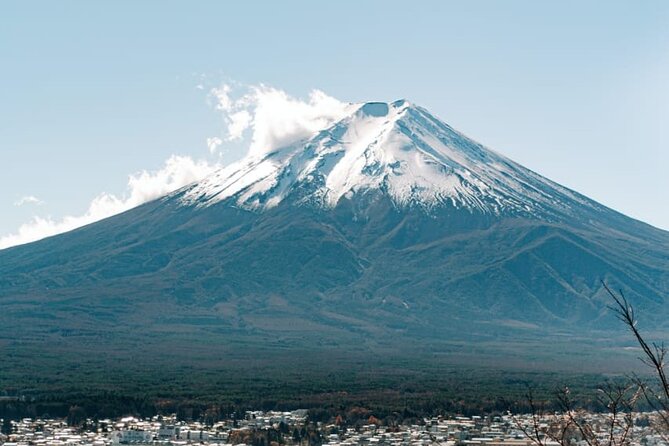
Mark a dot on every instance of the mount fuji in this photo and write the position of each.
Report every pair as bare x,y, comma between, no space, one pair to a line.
386,228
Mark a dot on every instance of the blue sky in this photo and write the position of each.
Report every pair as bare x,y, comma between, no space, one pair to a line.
91,92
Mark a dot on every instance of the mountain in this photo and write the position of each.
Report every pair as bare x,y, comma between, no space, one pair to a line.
401,150
386,231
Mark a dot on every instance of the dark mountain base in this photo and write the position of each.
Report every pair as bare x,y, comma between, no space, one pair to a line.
186,376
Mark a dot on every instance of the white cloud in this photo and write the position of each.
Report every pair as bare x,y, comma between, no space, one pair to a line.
239,122
258,117
28,199
145,186
213,143
222,95
273,117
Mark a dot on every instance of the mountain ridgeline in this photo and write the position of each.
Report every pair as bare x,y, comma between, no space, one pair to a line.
386,231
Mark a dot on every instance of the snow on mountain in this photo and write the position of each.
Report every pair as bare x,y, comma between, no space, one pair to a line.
396,148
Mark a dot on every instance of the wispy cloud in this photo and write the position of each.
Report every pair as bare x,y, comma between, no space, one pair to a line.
142,187
268,118
213,143
28,199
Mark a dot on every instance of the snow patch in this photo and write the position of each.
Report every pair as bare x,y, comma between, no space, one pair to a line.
397,148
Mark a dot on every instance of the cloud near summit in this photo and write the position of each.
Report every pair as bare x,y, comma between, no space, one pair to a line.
257,118
268,118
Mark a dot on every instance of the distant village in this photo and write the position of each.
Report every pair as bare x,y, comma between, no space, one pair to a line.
258,428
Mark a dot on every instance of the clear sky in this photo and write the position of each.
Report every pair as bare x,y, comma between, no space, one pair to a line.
92,92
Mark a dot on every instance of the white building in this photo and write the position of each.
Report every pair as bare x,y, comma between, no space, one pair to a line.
131,436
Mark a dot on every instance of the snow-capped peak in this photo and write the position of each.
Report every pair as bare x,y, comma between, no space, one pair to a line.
396,148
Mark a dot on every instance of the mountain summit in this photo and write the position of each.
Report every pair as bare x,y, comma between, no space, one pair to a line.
399,149
387,226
